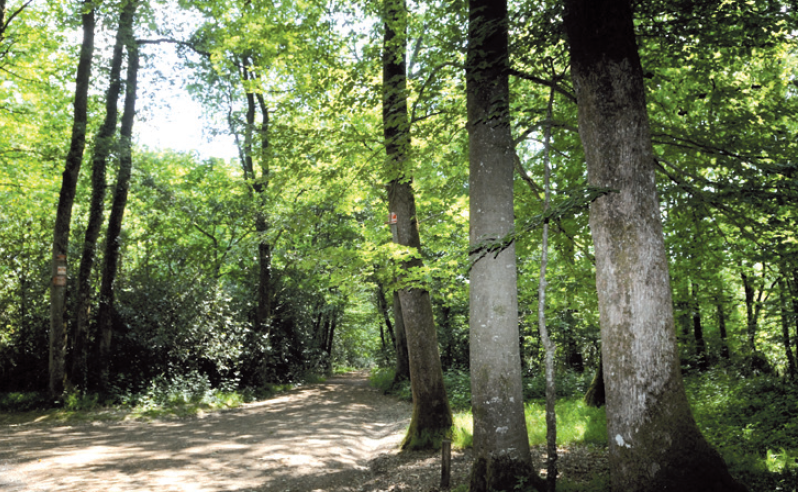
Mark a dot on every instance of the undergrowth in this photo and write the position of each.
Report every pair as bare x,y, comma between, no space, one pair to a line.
165,397
752,421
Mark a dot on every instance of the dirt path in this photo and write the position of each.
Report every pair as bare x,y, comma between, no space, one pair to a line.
338,436
323,437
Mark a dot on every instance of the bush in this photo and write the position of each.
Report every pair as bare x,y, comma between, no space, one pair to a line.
24,402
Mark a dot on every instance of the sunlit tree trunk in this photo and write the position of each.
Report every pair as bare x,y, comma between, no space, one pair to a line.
103,143
63,218
432,418
113,241
501,447
654,443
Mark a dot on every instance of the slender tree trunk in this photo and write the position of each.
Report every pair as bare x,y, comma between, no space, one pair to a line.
654,443
402,372
262,224
785,328
432,418
793,285
102,148
501,445
113,241
750,311
724,344
258,186
698,330
382,304
548,344
63,218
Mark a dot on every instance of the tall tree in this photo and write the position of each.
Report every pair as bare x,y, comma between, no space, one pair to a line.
63,218
432,417
501,446
113,240
103,143
654,442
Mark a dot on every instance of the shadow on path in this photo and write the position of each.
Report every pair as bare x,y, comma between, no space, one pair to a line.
319,437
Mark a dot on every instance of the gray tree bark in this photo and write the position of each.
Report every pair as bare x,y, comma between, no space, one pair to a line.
432,418
654,443
63,218
501,446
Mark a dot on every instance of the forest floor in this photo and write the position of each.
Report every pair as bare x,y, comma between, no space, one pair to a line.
336,436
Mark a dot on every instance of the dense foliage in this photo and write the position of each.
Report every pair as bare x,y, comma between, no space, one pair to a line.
309,182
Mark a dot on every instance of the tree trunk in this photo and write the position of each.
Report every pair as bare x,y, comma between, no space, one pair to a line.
63,218
698,330
595,395
382,305
724,344
501,445
103,143
786,315
113,233
548,344
402,372
262,225
654,442
750,311
432,418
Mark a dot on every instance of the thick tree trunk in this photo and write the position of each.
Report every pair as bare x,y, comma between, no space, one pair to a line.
432,418
654,443
113,233
102,148
501,445
63,218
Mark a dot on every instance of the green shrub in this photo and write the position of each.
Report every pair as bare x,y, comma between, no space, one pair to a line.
23,402
381,378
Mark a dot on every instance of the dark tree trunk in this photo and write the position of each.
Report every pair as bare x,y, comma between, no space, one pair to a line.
402,372
786,316
654,443
794,296
382,305
262,225
102,148
698,330
63,218
258,186
113,241
432,418
595,395
501,445
750,311
724,344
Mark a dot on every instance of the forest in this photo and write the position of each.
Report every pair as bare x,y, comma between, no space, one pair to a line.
605,192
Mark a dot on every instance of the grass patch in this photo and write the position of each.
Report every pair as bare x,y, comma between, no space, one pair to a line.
752,422
576,424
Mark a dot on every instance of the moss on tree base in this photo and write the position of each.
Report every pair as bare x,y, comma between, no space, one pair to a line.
504,474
